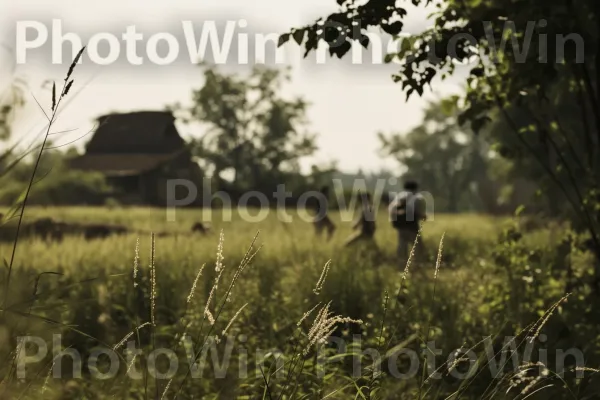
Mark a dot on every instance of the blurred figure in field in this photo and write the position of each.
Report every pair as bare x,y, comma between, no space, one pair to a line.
322,222
201,228
365,223
407,210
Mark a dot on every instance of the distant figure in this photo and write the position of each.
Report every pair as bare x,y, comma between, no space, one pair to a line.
101,231
365,223
322,222
200,228
47,229
407,211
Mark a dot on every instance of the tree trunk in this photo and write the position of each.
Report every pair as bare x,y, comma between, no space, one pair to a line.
488,193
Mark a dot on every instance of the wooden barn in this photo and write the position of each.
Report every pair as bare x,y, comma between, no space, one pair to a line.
138,153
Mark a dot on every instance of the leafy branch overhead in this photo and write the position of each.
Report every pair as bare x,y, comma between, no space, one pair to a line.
461,30
349,24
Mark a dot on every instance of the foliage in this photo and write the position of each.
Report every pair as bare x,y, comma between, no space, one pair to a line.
526,88
11,98
56,184
91,300
253,130
448,161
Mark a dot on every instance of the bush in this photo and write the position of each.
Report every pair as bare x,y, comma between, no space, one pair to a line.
59,186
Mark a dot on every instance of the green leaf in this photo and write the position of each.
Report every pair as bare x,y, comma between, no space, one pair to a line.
17,205
519,210
13,210
365,41
284,38
449,105
478,72
406,46
478,123
298,35
392,29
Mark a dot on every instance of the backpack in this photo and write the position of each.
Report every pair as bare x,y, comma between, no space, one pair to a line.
399,220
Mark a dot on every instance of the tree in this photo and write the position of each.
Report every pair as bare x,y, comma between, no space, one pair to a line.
448,161
526,87
253,131
11,98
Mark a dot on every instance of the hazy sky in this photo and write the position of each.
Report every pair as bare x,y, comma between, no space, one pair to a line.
350,103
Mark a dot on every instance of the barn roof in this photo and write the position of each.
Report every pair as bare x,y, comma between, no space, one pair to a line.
141,132
131,143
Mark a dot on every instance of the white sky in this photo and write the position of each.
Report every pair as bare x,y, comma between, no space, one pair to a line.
350,103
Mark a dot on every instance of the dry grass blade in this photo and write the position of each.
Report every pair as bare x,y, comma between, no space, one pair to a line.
411,255
130,334
322,278
544,319
23,205
324,325
136,261
193,289
152,280
233,319
53,96
438,261
74,63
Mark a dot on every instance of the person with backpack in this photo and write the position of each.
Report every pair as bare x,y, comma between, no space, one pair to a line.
407,211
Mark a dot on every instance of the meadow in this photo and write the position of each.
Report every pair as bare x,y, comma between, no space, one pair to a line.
494,279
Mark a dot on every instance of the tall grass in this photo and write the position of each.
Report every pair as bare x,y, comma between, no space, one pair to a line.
299,297
216,290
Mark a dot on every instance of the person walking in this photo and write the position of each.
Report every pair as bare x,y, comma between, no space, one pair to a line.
407,210
364,224
322,222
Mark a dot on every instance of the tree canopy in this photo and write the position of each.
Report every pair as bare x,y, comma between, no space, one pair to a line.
11,98
253,130
445,158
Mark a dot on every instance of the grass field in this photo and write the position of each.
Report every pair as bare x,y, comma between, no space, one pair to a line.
490,282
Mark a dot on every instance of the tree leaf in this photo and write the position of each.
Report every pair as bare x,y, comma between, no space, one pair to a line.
393,29
283,38
479,123
365,41
298,35
478,72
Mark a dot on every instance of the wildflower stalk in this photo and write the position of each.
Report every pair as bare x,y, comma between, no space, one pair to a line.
51,119
402,280
427,333
248,256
